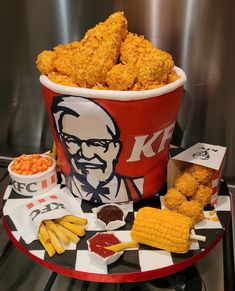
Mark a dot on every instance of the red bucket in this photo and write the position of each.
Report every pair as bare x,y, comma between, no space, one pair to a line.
113,145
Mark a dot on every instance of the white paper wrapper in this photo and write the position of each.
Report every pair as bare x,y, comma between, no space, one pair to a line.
28,215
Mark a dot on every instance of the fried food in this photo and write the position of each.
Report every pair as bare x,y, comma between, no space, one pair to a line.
152,65
192,209
45,62
44,233
186,184
202,174
99,52
55,234
174,198
203,195
121,77
108,57
47,246
122,246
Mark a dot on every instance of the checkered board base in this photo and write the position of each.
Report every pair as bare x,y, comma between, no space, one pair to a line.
144,263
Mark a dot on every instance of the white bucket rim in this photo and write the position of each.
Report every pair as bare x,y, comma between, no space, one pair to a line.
114,94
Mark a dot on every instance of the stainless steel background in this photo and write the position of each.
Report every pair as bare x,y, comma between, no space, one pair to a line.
198,33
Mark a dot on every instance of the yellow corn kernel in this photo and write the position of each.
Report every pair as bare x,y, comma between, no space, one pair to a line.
162,228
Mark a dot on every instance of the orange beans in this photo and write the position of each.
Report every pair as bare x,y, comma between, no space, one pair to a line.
31,164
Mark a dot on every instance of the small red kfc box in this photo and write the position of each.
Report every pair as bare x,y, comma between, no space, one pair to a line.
202,154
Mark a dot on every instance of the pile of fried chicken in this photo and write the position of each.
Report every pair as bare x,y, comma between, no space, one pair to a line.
191,192
108,57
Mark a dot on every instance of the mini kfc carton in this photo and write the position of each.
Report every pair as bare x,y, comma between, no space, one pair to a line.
207,155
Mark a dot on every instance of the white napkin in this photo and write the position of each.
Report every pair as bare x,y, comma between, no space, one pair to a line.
28,215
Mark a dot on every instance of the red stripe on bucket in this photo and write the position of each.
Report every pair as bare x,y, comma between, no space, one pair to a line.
44,184
53,179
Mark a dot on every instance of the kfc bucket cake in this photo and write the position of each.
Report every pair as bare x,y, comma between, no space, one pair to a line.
112,99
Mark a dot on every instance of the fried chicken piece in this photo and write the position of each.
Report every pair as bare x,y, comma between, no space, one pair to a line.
186,184
172,77
100,87
120,77
148,86
99,51
192,209
45,61
63,60
202,174
173,199
203,195
151,64
58,61
62,79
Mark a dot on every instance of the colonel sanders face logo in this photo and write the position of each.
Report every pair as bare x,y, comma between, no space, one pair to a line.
90,137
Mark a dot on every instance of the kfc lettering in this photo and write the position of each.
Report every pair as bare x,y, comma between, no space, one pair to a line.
144,144
30,187
49,207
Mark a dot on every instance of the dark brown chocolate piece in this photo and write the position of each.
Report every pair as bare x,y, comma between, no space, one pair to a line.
110,213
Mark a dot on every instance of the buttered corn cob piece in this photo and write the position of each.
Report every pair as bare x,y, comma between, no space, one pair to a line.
162,228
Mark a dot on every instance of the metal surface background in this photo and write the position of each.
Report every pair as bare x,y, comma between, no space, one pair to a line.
198,33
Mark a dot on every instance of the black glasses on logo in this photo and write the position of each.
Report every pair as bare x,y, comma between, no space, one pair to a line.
104,143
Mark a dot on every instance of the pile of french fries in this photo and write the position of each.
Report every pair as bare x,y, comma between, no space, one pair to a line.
57,233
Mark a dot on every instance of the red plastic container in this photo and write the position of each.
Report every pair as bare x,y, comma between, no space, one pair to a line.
113,145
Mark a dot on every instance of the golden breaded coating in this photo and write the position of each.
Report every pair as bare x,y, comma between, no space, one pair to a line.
186,184
202,174
203,195
62,79
121,77
192,209
172,77
173,199
99,51
63,61
99,86
45,62
58,61
151,64
134,48
147,86
109,58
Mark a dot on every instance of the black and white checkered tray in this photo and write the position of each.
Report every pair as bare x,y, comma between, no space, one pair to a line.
134,265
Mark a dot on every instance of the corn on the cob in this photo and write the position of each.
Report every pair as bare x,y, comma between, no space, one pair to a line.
162,228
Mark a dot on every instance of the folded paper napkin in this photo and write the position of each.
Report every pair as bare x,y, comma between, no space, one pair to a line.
28,214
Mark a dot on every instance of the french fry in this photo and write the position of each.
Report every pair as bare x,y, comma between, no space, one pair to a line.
123,245
47,246
56,243
75,228
43,232
73,237
52,226
74,219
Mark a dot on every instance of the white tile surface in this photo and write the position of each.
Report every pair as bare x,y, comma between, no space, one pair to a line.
85,263
208,224
38,253
155,259
223,203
